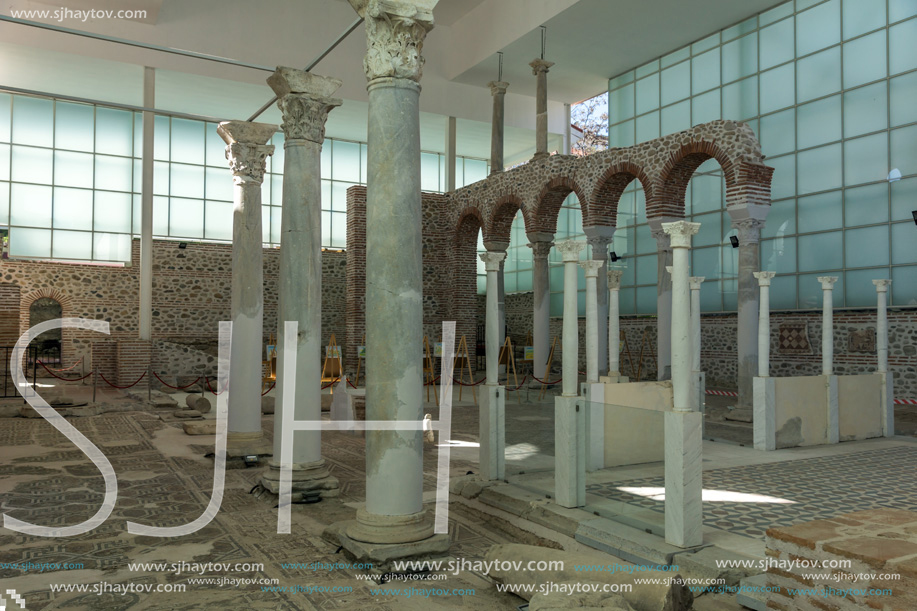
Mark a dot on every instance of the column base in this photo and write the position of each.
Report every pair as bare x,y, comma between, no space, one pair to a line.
684,513
307,477
247,444
350,534
569,452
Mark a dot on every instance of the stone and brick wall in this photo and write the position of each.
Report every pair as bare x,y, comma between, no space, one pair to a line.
877,546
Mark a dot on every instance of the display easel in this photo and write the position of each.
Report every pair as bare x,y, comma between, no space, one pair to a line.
429,371
333,368
507,358
528,363
547,368
360,360
463,365
637,371
269,366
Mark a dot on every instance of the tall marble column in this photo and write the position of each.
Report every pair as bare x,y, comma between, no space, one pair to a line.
498,91
827,324
765,408
592,268
594,392
683,425
247,151
599,238
541,245
500,246
394,514
888,391
614,322
749,234
304,99
569,417
663,300
493,406
540,69
694,283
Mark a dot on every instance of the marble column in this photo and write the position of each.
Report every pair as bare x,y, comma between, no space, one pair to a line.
663,300
614,322
501,300
493,407
683,425
694,283
592,268
749,234
304,99
594,392
569,415
887,394
765,408
247,151
541,245
827,324
599,238
540,69
393,514
498,91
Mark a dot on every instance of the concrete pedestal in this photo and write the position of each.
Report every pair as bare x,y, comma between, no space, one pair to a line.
834,427
683,484
493,432
765,416
888,405
569,452
595,427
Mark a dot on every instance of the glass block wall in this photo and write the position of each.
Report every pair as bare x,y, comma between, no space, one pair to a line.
70,180
829,88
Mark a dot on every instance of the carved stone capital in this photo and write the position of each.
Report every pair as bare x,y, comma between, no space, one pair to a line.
395,31
592,267
764,278
749,230
599,246
492,260
570,250
498,87
304,116
614,279
882,285
540,66
541,250
246,149
694,282
680,233
827,282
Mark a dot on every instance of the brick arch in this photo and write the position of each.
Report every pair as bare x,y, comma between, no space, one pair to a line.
468,219
66,305
669,197
549,200
501,218
603,205
462,274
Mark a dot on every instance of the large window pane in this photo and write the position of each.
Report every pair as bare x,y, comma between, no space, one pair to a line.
819,122
187,141
904,243
818,27
810,291
866,246
30,242
676,118
820,212
71,245
904,285
647,93
218,219
861,16
347,162
621,134
819,169
72,208
646,268
429,171
218,183
705,107
115,173
111,247
32,165
903,92
711,230
865,110
73,127
6,102
904,149
902,47
859,289
779,255
778,88
648,127
676,83
821,251
621,103
778,133
866,205
864,59
186,180
705,71
740,100
4,161
740,58
818,75
32,122
161,137
777,44
866,159
646,300
114,131
186,218
30,205
781,220
783,293
112,212
783,182
706,262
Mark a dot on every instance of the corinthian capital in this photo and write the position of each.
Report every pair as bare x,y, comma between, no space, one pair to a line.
492,260
305,101
246,149
498,87
541,250
749,230
570,250
395,31
540,66
680,233
614,278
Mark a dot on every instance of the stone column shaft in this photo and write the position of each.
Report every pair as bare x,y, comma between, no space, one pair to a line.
749,234
541,317
493,261
501,301
764,323
694,283
614,322
570,251
247,152
540,69
882,325
592,320
492,416
682,354
498,91
663,301
827,324
599,238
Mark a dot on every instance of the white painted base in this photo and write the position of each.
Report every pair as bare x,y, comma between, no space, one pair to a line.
765,414
595,428
569,452
493,432
683,485
834,426
887,403
614,379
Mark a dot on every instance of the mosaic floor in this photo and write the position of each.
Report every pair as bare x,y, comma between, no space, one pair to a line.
796,491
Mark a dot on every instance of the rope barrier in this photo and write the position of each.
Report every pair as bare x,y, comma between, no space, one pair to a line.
163,382
460,383
546,383
64,379
331,383
432,382
269,389
101,375
518,387
65,368
206,379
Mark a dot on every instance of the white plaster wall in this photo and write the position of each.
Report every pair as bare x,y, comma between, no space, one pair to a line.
634,422
859,406
802,411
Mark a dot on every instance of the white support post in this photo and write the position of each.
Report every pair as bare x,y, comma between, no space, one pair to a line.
888,393
694,283
614,323
595,395
827,355
493,406
765,409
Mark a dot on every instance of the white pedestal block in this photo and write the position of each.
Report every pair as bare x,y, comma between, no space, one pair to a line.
569,452
493,432
834,427
888,405
595,428
614,379
683,484
765,413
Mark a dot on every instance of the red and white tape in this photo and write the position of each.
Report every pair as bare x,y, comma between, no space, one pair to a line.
905,401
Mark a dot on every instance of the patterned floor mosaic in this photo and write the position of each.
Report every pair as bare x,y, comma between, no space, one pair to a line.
799,490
